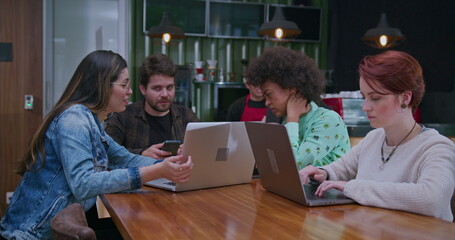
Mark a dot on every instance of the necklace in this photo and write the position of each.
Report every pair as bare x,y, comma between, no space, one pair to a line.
393,151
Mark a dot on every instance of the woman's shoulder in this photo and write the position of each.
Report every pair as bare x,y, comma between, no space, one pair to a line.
374,135
376,132
75,114
431,136
79,108
432,145
74,118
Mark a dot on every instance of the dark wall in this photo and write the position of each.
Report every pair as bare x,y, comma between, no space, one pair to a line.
429,27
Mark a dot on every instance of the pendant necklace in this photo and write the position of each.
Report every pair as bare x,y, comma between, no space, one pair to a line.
384,161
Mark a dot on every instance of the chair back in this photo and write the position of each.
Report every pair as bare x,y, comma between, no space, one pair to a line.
71,223
452,204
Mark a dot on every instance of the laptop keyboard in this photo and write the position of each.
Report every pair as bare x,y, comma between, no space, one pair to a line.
310,190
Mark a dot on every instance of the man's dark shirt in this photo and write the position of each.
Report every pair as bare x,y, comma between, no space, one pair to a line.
131,128
160,127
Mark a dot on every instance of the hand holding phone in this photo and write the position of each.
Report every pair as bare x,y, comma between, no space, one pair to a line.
171,146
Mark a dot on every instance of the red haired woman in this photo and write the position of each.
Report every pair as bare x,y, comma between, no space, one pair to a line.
400,165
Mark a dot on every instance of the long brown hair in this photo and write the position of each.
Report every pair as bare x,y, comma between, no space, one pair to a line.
89,86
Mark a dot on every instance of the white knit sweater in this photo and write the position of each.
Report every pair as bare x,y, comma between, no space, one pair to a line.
418,178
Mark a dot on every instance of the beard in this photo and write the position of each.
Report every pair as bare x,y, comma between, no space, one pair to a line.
160,107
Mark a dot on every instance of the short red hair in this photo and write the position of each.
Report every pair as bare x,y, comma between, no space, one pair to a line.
394,72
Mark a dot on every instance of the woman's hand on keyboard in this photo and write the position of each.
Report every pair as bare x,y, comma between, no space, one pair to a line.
313,173
326,185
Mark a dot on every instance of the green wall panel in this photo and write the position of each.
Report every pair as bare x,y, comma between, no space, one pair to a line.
228,52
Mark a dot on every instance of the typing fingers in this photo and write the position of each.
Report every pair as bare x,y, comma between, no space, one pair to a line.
324,187
306,173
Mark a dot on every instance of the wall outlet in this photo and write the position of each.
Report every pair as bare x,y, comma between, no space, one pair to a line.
9,195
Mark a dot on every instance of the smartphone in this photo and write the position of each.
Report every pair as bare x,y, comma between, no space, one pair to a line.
171,146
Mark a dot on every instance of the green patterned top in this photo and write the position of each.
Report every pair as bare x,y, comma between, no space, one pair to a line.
319,138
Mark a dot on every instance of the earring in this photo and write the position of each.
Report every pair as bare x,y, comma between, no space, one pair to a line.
403,105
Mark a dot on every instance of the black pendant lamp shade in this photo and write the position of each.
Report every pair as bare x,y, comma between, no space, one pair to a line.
288,29
383,36
166,27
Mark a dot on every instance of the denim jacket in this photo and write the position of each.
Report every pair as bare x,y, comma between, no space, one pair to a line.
78,153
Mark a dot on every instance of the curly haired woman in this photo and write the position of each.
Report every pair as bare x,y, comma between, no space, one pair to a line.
292,85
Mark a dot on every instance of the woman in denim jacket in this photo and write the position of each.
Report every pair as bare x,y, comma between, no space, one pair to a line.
68,158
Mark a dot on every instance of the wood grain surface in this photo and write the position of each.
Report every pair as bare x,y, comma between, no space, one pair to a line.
249,212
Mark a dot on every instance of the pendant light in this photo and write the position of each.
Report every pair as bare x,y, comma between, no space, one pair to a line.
279,29
383,36
166,31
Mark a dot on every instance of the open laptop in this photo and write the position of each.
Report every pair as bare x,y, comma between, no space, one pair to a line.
278,168
221,153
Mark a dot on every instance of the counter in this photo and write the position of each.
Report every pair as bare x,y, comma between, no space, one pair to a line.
360,130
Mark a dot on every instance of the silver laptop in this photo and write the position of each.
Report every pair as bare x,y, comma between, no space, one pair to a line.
278,169
221,153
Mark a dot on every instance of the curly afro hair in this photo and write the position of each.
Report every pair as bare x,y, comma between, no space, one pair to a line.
290,70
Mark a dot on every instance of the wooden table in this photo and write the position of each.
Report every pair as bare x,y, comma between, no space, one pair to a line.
249,212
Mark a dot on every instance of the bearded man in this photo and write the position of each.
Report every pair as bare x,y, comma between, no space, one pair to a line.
146,124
